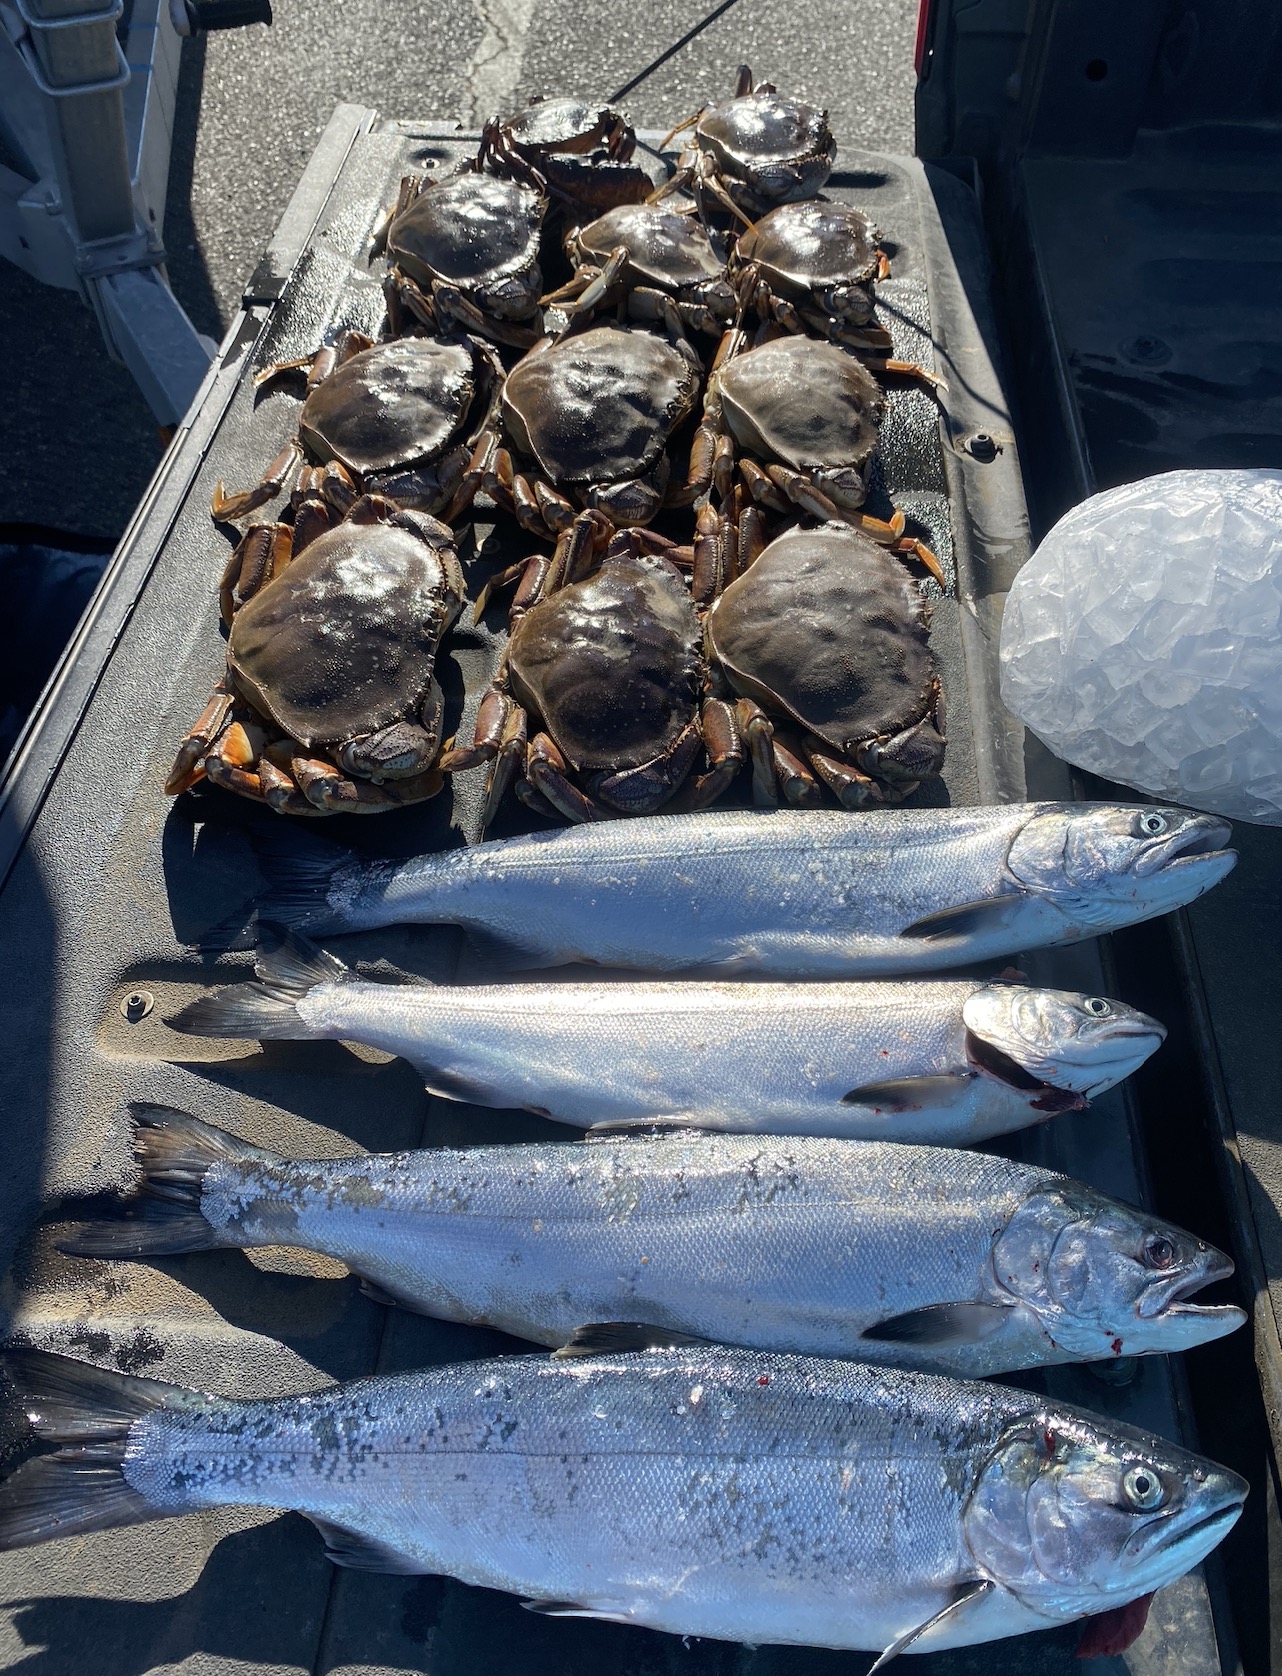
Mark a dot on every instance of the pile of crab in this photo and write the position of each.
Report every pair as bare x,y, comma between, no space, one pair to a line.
768,623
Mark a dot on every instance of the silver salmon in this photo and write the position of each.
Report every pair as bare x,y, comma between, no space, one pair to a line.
936,1061
726,1493
912,1256
794,892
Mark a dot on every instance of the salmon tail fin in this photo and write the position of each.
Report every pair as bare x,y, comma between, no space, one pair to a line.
89,1410
174,1153
287,968
303,873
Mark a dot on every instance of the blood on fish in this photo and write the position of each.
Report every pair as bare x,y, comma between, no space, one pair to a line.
1112,1632
1117,1347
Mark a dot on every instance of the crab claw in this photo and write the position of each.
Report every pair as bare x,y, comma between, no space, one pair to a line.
915,754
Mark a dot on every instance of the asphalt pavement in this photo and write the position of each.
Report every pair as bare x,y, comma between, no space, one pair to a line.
76,440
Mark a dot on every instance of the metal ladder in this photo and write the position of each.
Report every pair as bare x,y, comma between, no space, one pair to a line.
86,122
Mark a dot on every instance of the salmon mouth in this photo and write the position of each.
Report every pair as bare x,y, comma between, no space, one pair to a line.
1205,1532
1201,839
1174,1297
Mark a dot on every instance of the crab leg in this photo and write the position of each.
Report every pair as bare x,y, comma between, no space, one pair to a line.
547,771
332,794
799,786
905,369
852,789
802,492
600,287
261,553
715,548
228,509
752,536
923,554
233,761
508,763
575,549
705,180
724,744
487,736
585,275
758,733
514,494
409,191
478,468
451,306
761,488
535,801
279,790
189,763
680,128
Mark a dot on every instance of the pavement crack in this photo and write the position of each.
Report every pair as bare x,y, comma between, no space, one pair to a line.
496,65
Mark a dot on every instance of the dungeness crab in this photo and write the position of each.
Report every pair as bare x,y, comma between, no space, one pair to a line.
754,151
658,263
464,254
811,267
801,419
330,702
823,639
589,417
400,419
570,147
608,670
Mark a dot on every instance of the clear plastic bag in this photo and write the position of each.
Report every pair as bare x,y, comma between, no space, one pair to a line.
1143,639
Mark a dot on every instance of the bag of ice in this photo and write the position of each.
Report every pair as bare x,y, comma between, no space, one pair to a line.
1143,639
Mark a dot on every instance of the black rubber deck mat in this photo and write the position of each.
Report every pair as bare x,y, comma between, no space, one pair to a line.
109,888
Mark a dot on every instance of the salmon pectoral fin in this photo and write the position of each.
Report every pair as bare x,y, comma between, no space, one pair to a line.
609,1338
966,1594
363,1553
968,919
911,1094
570,1609
941,1324
672,1122
381,1295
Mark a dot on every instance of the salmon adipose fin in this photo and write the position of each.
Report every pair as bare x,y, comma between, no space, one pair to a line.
287,967
174,1152
89,1410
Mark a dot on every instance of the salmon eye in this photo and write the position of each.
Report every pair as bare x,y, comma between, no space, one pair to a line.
1143,1489
1097,1006
1153,825
1159,1252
